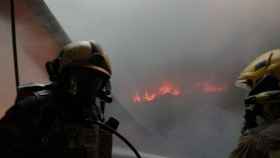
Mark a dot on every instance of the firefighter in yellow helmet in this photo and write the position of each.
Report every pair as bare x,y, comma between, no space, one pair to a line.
55,120
261,132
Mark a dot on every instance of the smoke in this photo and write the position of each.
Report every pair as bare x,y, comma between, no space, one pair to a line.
152,41
184,42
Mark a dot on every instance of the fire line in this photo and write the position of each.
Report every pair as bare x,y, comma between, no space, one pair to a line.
168,88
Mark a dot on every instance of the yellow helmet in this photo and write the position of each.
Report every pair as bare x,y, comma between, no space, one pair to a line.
262,78
266,64
85,54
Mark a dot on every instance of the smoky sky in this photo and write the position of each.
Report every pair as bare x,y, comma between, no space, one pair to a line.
184,41
154,40
151,40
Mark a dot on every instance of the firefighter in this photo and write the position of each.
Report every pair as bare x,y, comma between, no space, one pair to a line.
55,119
261,132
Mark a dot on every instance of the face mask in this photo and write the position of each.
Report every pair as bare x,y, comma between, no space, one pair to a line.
261,102
85,86
267,83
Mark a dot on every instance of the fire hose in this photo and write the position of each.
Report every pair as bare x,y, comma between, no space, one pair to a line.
111,130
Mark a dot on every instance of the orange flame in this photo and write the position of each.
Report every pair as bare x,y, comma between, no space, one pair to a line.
176,92
137,98
169,89
149,97
208,87
166,88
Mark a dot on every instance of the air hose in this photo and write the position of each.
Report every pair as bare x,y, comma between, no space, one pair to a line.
111,130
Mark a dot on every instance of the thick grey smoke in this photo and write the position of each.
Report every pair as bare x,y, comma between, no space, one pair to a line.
150,41
182,41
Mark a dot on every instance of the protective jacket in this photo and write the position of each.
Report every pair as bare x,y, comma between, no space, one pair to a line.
46,124
261,142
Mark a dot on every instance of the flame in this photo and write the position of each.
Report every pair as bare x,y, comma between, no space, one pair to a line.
149,97
176,92
208,87
137,98
166,89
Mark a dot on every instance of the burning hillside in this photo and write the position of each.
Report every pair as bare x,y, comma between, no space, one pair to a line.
168,88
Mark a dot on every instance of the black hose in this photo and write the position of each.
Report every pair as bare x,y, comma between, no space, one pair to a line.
13,29
120,136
